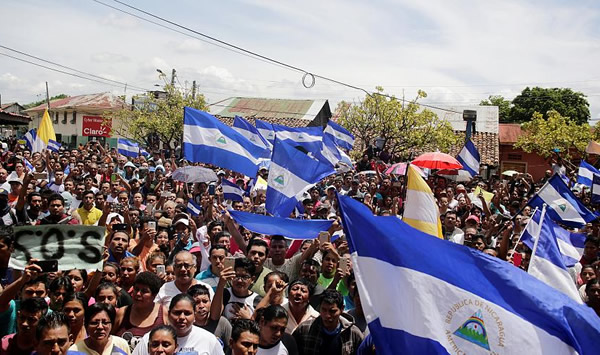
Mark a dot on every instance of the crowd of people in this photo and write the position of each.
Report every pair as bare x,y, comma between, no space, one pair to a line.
177,282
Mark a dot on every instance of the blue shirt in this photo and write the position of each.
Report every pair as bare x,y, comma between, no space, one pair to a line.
208,277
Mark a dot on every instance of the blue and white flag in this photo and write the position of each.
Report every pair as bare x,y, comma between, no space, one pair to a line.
469,158
462,302
308,138
596,190
34,143
563,206
333,155
341,136
266,131
552,254
53,145
232,191
290,173
193,208
67,170
144,152
247,130
28,165
128,148
208,140
586,174
288,227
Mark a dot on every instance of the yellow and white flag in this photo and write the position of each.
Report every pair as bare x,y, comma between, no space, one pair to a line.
46,130
420,209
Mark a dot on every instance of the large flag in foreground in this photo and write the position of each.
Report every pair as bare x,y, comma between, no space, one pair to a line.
547,261
208,140
563,206
290,173
453,298
469,158
420,209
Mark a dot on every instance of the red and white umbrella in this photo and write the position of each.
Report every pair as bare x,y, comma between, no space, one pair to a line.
396,169
437,160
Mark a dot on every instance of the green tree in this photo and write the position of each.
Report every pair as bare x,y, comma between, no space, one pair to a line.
563,100
543,136
161,118
403,127
503,106
37,103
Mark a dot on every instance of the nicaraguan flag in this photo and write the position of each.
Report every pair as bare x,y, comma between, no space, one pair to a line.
28,164
247,130
144,152
208,140
461,301
563,206
596,190
553,253
128,148
232,191
53,145
309,138
33,141
266,131
586,173
67,170
341,136
288,227
290,172
193,208
469,158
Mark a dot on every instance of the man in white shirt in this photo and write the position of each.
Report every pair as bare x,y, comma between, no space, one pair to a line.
184,265
451,231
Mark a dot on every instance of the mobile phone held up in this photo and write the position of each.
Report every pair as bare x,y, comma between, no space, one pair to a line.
47,265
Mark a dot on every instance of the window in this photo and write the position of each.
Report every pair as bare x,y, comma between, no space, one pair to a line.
74,118
55,117
64,120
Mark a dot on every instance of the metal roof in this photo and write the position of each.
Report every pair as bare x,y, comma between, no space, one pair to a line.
101,101
262,108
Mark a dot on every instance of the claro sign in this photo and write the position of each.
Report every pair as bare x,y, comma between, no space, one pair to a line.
96,126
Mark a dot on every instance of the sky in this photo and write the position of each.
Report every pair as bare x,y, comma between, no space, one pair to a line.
459,52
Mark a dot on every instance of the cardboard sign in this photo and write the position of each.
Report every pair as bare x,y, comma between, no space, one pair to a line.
74,246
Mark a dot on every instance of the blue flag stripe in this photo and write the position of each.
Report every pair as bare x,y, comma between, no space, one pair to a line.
288,227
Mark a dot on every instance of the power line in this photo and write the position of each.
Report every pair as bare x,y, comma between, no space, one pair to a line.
307,74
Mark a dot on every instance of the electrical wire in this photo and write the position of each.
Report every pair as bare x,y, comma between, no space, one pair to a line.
306,74
72,69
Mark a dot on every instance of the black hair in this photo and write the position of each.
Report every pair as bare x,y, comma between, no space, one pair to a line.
32,194
49,321
198,290
61,282
246,264
305,282
39,280
79,297
149,279
258,242
165,328
277,237
243,325
115,266
181,297
82,272
6,235
272,312
106,286
332,297
88,192
218,247
219,236
592,239
55,197
282,275
34,305
214,224
97,308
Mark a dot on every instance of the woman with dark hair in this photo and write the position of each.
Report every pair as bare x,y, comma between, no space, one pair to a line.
108,293
189,337
99,319
58,289
298,308
273,338
133,322
163,341
74,307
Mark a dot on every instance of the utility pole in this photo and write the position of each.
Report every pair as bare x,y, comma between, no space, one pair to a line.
194,90
173,77
47,96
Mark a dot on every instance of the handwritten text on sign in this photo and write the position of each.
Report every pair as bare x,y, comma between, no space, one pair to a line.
75,247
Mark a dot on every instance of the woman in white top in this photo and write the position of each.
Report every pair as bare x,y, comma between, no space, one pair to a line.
99,319
191,339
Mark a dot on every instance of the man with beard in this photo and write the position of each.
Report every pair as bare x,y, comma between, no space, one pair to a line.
184,265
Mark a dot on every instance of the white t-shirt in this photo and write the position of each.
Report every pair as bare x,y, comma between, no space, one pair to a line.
170,290
197,342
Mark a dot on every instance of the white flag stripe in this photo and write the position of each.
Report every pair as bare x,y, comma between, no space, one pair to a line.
555,200
586,173
418,300
569,250
128,148
254,138
469,159
554,276
292,183
294,136
208,136
420,206
339,135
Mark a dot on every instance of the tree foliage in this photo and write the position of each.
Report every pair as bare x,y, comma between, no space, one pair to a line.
543,136
154,120
403,127
37,103
503,106
563,100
